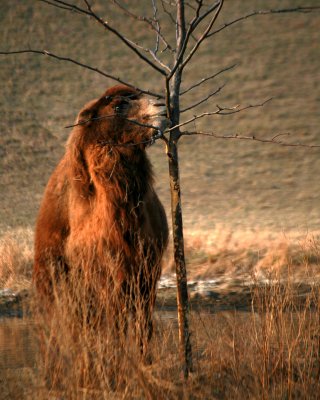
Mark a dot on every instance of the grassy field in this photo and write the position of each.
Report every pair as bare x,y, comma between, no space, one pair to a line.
251,210
270,350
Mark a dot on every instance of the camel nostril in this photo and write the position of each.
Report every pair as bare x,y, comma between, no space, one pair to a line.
159,105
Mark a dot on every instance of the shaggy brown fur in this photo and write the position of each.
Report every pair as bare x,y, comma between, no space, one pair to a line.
100,205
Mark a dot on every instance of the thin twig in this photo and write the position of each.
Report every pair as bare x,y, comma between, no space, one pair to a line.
183,44
112,144
280,134
133,121
204,35
69,6
203,80
156,21
58,6
97,70
180,22
146,20
190,5
89,12
180,27
167,12
206,13
158,135
265,12
240,137
220,111
131,14
152,53
192,26
125,40
203,100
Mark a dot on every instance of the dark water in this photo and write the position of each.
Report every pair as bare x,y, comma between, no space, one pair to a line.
18,348
17,343
18,352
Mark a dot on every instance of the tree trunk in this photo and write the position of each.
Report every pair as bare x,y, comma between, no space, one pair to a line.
173,107
181,273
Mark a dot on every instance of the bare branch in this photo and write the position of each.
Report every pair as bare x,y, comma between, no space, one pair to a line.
128,144
240,137
220,111
192,26
203,100
182,43
158,135
66,5
190,6
234,110
86,66
168,99
167,12
203,80
173,96
146,20
89,12
204,35
108,27
152,53
180,26
206,13
131,14
265,12
59,6
133,121
155,18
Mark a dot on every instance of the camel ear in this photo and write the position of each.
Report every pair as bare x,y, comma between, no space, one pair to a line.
79,169
89,112
86,116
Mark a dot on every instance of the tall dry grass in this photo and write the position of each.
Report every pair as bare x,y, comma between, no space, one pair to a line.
269,351
16,259
94,332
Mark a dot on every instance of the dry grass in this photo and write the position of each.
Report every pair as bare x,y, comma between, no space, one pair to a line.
270,351
94,336
16,259
240,257
230,258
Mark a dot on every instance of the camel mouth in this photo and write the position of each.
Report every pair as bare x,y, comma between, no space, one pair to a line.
155,111
158,134
160,121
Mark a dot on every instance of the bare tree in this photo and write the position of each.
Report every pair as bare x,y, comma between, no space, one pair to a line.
195,23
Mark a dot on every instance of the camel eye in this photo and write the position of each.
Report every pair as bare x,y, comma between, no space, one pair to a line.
121,107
